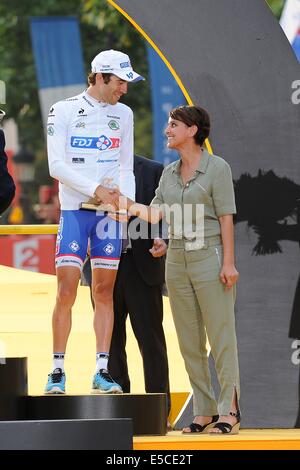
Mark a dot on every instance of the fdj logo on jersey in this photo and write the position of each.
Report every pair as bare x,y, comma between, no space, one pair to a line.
101,143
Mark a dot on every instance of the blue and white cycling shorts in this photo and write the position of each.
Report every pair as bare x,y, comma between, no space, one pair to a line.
75,230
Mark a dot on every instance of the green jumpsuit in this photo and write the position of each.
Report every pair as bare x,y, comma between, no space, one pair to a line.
201,306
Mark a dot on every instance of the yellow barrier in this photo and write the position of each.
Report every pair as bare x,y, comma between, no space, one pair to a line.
28,229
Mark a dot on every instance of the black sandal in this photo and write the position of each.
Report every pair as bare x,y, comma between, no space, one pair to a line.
227,428
195,427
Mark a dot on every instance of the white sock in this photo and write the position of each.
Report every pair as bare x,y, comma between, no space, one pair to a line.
58,361
101,361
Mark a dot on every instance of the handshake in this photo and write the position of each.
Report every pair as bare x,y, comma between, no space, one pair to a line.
107,200
120,207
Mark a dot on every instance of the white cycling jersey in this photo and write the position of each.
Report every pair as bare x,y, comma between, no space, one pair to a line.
90,143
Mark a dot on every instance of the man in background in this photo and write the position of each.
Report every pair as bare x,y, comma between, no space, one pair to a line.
138,292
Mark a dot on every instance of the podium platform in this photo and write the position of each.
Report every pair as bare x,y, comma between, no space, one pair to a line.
87,422
73,434
13,387
147,411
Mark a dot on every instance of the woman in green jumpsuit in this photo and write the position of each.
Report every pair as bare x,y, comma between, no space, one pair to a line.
196,196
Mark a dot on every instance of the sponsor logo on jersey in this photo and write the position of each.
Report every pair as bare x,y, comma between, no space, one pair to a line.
78,160
109,249
113,125
74,246
105,143
88,102
81,113
50,130
101,143
80,124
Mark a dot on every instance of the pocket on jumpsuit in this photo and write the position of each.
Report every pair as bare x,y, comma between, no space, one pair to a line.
206,264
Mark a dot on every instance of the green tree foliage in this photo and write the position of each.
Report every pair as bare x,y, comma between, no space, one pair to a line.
276,6
101,27
17,64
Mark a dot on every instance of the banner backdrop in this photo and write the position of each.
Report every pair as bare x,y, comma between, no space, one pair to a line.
165,94
58,58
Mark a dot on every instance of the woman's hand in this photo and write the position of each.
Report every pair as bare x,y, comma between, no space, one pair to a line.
229,275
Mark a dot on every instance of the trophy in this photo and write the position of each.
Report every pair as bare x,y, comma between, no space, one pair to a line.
93,205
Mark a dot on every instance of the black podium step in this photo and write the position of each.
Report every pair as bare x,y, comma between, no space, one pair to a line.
13,385
94,434
148,411
13,376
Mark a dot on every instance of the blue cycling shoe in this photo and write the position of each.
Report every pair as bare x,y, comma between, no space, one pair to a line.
104,383
56,382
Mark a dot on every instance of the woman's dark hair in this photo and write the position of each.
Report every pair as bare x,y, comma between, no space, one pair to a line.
193,115
92,78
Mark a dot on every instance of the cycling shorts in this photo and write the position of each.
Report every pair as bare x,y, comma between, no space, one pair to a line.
79,227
